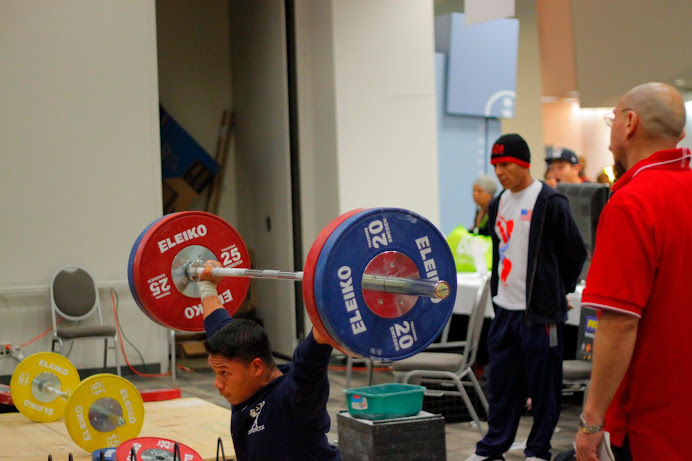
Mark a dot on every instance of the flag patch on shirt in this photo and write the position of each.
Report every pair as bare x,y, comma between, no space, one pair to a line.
526,215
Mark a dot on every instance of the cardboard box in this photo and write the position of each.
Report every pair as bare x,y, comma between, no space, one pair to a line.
186,168
190,349
178,195
190,344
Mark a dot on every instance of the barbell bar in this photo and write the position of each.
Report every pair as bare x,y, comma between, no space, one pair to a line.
101,411
416,287
379,282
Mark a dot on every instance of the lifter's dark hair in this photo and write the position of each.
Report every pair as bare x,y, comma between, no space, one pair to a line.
242,340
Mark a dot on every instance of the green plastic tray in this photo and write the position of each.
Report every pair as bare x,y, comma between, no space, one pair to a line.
384,401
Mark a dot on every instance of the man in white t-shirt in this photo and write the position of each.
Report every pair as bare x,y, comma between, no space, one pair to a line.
538,254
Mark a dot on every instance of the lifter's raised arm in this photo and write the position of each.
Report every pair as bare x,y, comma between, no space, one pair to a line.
207,287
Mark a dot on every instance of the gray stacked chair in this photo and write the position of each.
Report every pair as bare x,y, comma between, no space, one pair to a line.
451,372
74,297
576,373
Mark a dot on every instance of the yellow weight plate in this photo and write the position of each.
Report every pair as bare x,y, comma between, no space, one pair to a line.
104,411
35,381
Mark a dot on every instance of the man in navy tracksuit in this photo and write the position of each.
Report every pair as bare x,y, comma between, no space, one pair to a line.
277,412
538,254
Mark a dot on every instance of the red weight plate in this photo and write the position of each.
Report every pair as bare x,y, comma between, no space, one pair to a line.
390,264
153,448
309,276
5,396
133,268
187,235
133,252
151,310
156,395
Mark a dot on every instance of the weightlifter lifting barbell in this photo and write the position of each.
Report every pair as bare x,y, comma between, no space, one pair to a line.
103,410
377,283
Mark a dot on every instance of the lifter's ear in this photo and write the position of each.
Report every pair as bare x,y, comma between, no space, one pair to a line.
257,366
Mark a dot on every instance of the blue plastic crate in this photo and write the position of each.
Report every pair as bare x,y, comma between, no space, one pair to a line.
384,401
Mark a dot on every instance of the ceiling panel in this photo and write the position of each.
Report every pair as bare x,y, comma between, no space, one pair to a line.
622,43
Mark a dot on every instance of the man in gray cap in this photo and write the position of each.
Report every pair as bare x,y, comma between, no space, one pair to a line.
564,165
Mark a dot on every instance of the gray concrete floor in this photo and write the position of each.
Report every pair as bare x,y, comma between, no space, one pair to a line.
461,437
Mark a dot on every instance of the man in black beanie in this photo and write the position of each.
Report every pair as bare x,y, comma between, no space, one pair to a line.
538,254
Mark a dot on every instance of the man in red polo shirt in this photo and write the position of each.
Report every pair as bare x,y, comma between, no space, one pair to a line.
639,279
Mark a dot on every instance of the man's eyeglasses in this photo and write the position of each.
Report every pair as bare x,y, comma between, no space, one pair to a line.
609,118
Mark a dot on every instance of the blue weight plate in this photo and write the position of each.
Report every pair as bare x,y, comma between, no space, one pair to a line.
309,275
108,454
130,266
338,283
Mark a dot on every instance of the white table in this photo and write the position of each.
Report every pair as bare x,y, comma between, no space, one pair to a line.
467,286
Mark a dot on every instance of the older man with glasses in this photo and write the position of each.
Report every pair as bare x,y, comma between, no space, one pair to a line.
638,279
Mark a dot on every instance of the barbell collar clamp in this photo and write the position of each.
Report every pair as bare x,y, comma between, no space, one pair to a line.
416,287
45,386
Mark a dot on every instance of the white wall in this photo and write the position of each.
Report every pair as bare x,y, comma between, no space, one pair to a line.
260,89
80,157
595,141
366,102
317,113
385,100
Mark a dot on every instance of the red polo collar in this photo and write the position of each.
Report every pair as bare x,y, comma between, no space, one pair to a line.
670,159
